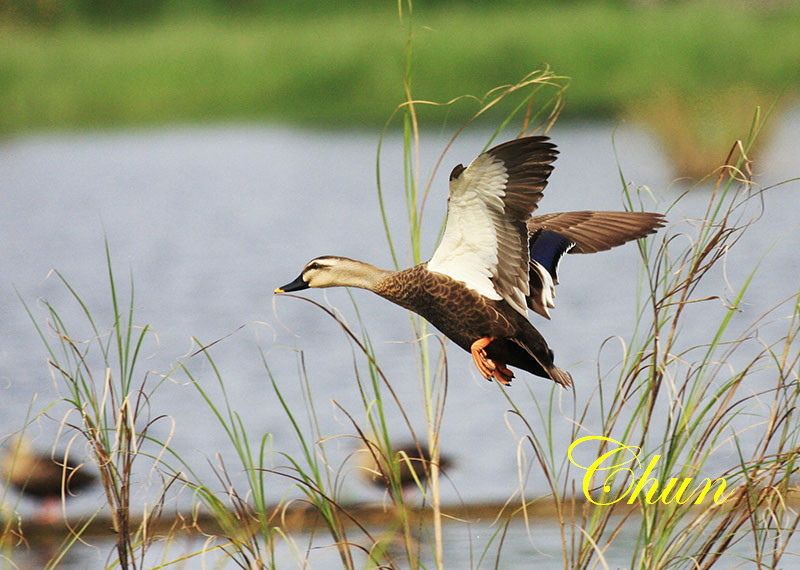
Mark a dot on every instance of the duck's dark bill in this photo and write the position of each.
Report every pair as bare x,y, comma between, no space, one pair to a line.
296,285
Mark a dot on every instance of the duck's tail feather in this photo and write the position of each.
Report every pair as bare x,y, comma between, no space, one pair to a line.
559,376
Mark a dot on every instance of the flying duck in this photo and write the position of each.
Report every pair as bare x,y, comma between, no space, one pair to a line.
494,262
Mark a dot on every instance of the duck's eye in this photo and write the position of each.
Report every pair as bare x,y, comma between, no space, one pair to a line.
314,265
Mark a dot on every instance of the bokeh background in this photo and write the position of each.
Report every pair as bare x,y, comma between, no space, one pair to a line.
690,72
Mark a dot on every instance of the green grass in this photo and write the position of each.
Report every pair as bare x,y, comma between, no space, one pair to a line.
108,396
703,398
690,391
697,65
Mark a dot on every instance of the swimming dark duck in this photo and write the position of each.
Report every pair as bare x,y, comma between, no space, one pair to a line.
411,461
45,477
494,261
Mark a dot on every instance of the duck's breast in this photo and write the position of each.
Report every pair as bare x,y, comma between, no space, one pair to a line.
458,312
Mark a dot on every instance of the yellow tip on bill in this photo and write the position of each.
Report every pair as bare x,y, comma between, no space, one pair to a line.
279,290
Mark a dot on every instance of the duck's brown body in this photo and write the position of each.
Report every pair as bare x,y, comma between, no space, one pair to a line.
465,316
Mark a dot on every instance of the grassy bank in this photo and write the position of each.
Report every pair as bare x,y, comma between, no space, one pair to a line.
679,68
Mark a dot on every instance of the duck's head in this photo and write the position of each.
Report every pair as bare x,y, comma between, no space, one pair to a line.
332,271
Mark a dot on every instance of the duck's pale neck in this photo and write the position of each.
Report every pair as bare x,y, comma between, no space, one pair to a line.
353,273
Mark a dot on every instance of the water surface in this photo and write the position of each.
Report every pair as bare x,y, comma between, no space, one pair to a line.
206,222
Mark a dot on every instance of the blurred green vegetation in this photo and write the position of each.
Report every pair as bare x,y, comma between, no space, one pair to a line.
692,71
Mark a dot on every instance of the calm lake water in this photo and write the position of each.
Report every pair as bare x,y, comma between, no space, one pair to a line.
206,222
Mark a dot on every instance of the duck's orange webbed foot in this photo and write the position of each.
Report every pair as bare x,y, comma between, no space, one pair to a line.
489,368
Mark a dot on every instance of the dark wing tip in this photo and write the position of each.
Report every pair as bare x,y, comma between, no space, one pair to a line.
525,149
528,163
456,172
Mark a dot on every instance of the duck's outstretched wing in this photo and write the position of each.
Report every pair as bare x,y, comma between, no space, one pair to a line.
485,242
553,235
